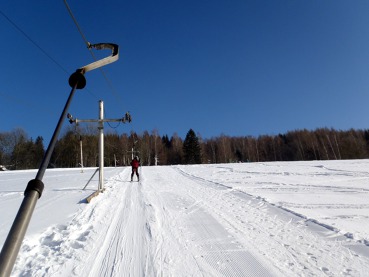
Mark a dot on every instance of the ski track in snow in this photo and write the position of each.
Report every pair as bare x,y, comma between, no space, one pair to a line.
203,239
118,249
293,247
175,222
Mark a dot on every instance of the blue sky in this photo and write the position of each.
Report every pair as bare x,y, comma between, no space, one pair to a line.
219,67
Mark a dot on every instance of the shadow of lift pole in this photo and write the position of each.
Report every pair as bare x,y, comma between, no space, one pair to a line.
35,187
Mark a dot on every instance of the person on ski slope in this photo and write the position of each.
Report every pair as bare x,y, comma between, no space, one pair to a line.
135,164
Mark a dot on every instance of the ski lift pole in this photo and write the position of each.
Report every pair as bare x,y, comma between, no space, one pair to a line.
35,187
32,193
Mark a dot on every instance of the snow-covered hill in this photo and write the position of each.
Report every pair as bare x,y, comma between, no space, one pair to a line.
252,219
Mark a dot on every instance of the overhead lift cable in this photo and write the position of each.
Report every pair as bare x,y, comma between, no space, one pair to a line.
19,29
88,44
32,41
38,46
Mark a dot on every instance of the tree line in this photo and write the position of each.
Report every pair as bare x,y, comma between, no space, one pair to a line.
18,151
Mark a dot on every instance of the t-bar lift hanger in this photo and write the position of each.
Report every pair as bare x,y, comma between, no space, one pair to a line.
35,187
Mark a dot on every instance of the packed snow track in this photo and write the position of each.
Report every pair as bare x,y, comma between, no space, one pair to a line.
178,221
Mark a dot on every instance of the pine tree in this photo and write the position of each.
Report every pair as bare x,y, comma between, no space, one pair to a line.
38,152
191,148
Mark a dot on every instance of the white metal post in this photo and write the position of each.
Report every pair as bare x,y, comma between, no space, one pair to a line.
80,144
101,145
156,156
101,120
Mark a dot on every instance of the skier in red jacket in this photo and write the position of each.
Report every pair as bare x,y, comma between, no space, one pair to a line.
135,164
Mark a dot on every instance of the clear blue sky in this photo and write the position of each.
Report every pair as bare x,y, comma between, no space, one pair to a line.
219,67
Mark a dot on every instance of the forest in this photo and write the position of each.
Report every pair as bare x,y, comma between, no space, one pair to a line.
18,151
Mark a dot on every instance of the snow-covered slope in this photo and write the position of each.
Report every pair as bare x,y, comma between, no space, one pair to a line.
254,219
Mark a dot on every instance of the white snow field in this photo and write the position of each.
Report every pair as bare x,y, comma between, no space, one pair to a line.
246,219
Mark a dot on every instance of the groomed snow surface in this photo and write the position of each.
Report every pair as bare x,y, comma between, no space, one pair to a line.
246,219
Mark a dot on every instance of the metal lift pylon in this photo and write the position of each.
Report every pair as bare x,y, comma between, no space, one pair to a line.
101,120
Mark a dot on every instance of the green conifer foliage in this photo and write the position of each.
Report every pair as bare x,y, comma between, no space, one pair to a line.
191,148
